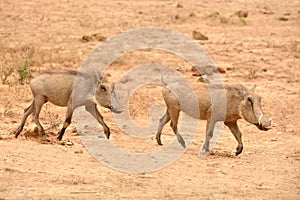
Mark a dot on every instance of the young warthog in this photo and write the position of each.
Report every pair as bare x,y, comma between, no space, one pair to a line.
57,88
240,103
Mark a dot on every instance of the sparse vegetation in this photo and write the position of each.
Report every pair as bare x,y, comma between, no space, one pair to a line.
236,18
23,73
252,74
5,72
192,14
120,61
214,15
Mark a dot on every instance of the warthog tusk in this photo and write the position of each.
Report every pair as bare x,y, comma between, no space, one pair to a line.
259,119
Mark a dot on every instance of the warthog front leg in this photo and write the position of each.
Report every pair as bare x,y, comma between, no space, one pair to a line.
237,134
92,109
162,122
210,125
27,112
66,123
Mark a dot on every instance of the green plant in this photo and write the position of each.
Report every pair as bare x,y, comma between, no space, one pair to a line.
24,73
192,14
243,20
24,70
214,15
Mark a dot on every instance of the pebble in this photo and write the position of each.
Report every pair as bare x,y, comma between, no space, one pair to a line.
78,152
199,36
69,143
242,13
283,18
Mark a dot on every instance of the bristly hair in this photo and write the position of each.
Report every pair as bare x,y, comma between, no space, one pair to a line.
68,72
239,88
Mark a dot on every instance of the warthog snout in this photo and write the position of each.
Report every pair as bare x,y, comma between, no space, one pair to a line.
264,123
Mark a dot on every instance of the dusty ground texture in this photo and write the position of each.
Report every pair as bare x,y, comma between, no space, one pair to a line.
262,49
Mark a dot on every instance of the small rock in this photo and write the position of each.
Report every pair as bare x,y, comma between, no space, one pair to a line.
263,187
144,175
267,12
45,141
199,36
1,138
283,18
74,130
177,17
199,71
221,70
229,68
78,152
242,13
93,37
179,5
279,133
69,143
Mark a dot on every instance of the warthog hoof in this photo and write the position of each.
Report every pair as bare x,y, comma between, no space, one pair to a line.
239,150
158,140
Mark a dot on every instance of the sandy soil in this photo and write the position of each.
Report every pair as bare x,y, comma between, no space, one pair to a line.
262,49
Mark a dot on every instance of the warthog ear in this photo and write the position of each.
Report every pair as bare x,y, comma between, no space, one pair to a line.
253,88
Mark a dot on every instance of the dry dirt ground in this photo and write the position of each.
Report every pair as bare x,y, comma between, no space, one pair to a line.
262,49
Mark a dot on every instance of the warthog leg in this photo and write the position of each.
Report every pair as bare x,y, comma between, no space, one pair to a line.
66,123
38,103
162,122
210,125
92,109
27,112
174,115
237,134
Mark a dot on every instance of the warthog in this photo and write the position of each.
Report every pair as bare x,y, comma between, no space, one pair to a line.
240,103
57,88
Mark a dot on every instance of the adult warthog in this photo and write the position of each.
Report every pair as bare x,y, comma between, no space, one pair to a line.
240,103
58,87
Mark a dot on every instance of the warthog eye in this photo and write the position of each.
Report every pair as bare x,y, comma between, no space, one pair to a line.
249,99
103,88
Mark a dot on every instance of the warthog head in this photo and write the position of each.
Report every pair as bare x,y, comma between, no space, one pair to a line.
106,97
251,111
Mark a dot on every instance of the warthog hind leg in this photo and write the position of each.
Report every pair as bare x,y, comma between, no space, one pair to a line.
174,115
162,122
27,112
